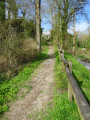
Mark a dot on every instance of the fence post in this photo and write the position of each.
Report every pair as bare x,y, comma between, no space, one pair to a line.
70,95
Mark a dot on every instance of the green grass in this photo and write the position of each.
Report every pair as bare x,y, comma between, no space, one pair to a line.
60,77
83,56
61,108
80,54
82,75
10,88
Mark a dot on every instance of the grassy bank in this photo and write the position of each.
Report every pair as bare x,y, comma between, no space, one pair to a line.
82,54
60,108
10,88
82,75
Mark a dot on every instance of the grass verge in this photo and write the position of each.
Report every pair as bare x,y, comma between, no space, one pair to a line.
82,54
81,74
61,108
10,88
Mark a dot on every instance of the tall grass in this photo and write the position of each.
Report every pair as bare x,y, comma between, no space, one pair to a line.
10,88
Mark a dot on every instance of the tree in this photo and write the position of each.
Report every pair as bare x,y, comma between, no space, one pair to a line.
38,25
2,10
27,8
63,12
74,34
12,9
67,9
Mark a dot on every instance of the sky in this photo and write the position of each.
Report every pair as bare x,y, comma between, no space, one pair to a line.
81,23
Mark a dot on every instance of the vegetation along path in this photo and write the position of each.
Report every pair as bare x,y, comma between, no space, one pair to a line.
39,96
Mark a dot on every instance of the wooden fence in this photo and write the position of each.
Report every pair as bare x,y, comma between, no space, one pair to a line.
74,90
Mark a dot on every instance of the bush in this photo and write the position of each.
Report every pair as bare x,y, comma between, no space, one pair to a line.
44,40
25,56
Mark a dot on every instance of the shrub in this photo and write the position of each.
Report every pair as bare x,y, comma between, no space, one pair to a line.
25,56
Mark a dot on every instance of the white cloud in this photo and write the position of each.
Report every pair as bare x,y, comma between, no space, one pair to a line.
46,32
79,27
82,26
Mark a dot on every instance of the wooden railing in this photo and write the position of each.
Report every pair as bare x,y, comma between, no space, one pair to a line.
74,90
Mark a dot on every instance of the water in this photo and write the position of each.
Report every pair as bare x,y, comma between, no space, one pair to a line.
87,65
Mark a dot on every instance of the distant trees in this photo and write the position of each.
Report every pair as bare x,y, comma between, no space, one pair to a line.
62,12
12,9
67,9
83,39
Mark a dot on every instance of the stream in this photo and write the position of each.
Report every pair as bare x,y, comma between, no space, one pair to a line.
87,65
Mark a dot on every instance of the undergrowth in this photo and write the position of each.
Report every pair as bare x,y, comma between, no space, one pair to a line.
61,108
10,88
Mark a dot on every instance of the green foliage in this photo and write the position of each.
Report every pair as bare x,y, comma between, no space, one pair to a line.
2,10
87,45
31,28
52,32
17,25
9,88
81,56
24,28
3,77
68,41
82,75
60,77
44,40
83,40
50,39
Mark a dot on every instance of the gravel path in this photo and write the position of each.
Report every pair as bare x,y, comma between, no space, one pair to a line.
39,96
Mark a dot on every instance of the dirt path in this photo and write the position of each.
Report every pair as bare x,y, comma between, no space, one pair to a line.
39,96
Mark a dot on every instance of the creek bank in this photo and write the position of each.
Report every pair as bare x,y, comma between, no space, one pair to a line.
85,62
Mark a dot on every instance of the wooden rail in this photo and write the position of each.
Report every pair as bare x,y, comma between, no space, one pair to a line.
74,90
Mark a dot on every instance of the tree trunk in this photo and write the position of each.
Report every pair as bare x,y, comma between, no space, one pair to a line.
59,24
62,33
38,25
64,25
9,14
74,34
